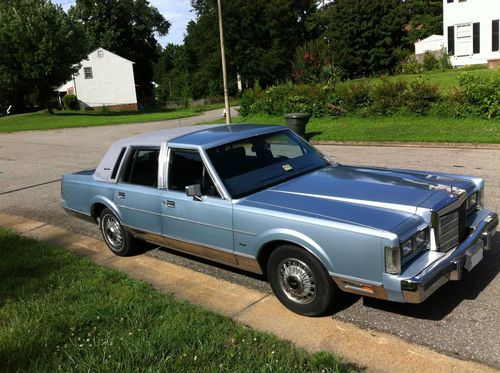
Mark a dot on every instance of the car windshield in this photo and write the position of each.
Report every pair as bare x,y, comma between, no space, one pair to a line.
249,165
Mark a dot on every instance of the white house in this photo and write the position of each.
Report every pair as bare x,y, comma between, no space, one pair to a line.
104,79
471,30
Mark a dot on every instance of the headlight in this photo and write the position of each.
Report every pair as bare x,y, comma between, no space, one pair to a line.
393,260
415,244
472,201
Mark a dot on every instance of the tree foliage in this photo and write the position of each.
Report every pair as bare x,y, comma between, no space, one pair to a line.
424,18
39,49
260,39
128,28
171,74
365,35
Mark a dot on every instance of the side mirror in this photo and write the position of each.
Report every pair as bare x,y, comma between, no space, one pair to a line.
194,191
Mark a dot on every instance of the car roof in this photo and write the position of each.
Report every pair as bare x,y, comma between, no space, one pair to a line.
224,134
205,136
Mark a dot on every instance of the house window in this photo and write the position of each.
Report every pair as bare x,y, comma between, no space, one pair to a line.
463,45
495,37
476,40
87,71
100,53
450,1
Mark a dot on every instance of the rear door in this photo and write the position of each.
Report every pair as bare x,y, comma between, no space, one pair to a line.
137,194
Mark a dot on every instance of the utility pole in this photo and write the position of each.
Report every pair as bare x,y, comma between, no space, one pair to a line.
223,58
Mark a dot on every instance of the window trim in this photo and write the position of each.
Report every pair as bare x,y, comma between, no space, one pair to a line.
85,72
119,160
126,159
206,163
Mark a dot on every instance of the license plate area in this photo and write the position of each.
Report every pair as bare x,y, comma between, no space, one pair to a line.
474,255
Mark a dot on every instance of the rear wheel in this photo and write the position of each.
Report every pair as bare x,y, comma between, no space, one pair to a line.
115,235
300,281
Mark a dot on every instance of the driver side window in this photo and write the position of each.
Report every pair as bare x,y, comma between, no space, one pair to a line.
186,168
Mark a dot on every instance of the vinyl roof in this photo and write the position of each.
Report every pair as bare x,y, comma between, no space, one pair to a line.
206,136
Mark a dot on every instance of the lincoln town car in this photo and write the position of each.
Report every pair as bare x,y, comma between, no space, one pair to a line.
262,199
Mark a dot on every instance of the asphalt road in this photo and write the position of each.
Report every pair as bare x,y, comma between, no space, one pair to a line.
461,319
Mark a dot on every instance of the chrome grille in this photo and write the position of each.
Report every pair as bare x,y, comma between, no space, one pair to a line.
452,228
448,231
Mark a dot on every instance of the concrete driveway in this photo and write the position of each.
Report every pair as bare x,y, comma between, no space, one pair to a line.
461,319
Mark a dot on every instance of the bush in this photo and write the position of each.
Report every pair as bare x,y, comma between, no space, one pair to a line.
246,101
482,93
430,62
71,102
388,96
410,66
476,97
420,96
352,96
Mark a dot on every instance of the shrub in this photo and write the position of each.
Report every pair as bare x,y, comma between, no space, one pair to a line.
420,96
246,101
444,60
482,93
410,66
388,96
430,62
71,102
352,96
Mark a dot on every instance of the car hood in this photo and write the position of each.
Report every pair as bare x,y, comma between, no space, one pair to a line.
372,197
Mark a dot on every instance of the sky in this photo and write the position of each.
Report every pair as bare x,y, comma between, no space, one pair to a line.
177,12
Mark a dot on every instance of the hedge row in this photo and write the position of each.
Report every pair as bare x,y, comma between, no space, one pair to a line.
475,96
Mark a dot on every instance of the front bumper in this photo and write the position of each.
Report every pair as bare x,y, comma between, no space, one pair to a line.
450,267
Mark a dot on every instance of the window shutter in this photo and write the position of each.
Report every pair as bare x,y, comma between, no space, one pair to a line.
475,38
451,40
495,35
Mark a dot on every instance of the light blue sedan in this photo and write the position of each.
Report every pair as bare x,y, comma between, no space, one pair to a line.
262,199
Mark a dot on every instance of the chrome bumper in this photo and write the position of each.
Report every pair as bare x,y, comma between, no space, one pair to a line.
450,267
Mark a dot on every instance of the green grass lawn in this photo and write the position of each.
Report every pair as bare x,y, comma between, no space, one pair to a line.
64,119
59,312
394,128
445,79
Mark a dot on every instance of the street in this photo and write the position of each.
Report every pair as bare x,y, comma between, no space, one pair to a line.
461,319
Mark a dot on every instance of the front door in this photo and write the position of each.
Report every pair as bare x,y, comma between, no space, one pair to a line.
201,226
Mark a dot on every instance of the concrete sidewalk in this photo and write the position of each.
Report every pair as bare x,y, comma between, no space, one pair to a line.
374,351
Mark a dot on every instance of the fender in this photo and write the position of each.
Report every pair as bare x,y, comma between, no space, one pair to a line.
297,238
108,203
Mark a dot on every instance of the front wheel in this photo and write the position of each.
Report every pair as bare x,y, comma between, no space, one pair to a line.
115,235
300,281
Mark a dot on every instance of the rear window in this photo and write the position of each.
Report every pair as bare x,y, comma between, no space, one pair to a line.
142,167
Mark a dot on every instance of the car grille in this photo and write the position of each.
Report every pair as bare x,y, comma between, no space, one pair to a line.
452,228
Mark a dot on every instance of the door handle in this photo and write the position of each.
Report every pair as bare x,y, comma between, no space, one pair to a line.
170,204
121,195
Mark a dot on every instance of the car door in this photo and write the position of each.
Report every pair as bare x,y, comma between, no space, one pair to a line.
201,226
137,194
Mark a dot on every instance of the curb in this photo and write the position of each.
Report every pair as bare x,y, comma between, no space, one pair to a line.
437,145
373,351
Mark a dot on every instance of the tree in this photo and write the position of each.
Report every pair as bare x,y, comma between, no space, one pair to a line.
364,35
424,18
172,75
128,28
260,38
40,48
